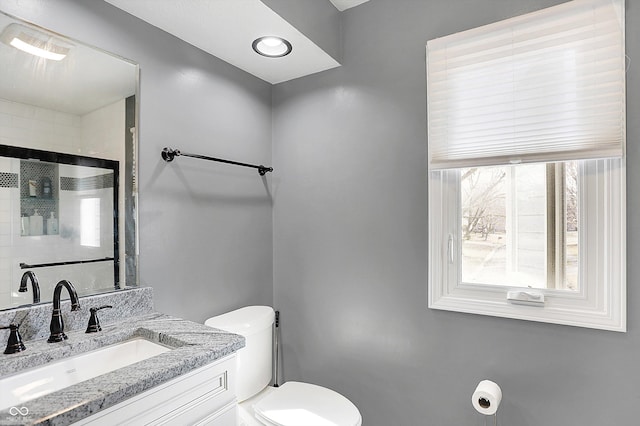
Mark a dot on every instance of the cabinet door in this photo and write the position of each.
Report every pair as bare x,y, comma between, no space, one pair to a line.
224,417
203,393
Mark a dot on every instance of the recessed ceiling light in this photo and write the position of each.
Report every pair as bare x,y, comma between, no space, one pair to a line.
272,46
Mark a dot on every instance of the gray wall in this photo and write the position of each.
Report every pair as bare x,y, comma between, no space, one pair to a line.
320,21
205,228
350,246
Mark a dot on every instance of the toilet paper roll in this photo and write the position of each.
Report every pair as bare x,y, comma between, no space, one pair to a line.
486,398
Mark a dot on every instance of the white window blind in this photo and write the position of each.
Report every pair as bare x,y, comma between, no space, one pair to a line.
546,86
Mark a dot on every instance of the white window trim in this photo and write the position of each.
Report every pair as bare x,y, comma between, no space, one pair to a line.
601,300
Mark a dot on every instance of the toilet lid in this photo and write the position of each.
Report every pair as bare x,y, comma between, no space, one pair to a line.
304,404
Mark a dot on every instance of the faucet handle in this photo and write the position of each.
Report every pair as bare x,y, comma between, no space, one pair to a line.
14,344
94,322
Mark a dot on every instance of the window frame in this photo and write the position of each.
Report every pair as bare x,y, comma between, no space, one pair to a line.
600,301
496,96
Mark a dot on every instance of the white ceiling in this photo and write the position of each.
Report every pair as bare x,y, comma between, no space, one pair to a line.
226,29
347,4
69,85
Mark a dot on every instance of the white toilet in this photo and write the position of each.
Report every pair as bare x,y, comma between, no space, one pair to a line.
291,404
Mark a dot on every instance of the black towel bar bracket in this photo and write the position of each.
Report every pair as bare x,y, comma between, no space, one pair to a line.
168,154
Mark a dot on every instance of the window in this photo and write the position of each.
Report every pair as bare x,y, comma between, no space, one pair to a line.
527,168
90,222
520,224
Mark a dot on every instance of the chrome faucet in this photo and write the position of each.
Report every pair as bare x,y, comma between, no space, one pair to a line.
34,285
57,325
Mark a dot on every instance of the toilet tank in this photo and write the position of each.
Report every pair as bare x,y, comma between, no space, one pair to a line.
254,361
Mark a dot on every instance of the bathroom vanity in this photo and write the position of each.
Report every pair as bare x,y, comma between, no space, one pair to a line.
190,380
204,396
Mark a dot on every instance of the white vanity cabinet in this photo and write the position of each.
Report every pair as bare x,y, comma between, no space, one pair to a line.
205,396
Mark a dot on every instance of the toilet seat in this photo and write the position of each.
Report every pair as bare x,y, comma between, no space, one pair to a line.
304,404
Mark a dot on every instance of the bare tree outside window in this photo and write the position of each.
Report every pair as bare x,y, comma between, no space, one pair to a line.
571,208
504,237
482,201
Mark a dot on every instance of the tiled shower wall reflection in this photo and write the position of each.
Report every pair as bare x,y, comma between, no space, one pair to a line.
98,134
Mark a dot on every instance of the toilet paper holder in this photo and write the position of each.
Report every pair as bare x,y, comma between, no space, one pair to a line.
484,402
486,399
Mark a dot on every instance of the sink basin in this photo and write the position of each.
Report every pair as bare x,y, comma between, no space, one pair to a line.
33,383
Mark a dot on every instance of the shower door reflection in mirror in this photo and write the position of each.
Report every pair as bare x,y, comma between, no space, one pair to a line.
62,216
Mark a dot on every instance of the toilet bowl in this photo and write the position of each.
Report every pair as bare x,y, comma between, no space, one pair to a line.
290,404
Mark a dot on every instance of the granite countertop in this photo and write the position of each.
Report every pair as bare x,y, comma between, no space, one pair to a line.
194,344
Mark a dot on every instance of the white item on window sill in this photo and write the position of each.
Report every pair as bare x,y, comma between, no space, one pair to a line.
527,297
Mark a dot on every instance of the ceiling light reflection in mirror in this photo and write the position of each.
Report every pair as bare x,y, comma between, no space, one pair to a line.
35,42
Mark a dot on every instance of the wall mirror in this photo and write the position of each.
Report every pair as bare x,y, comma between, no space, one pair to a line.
67,166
